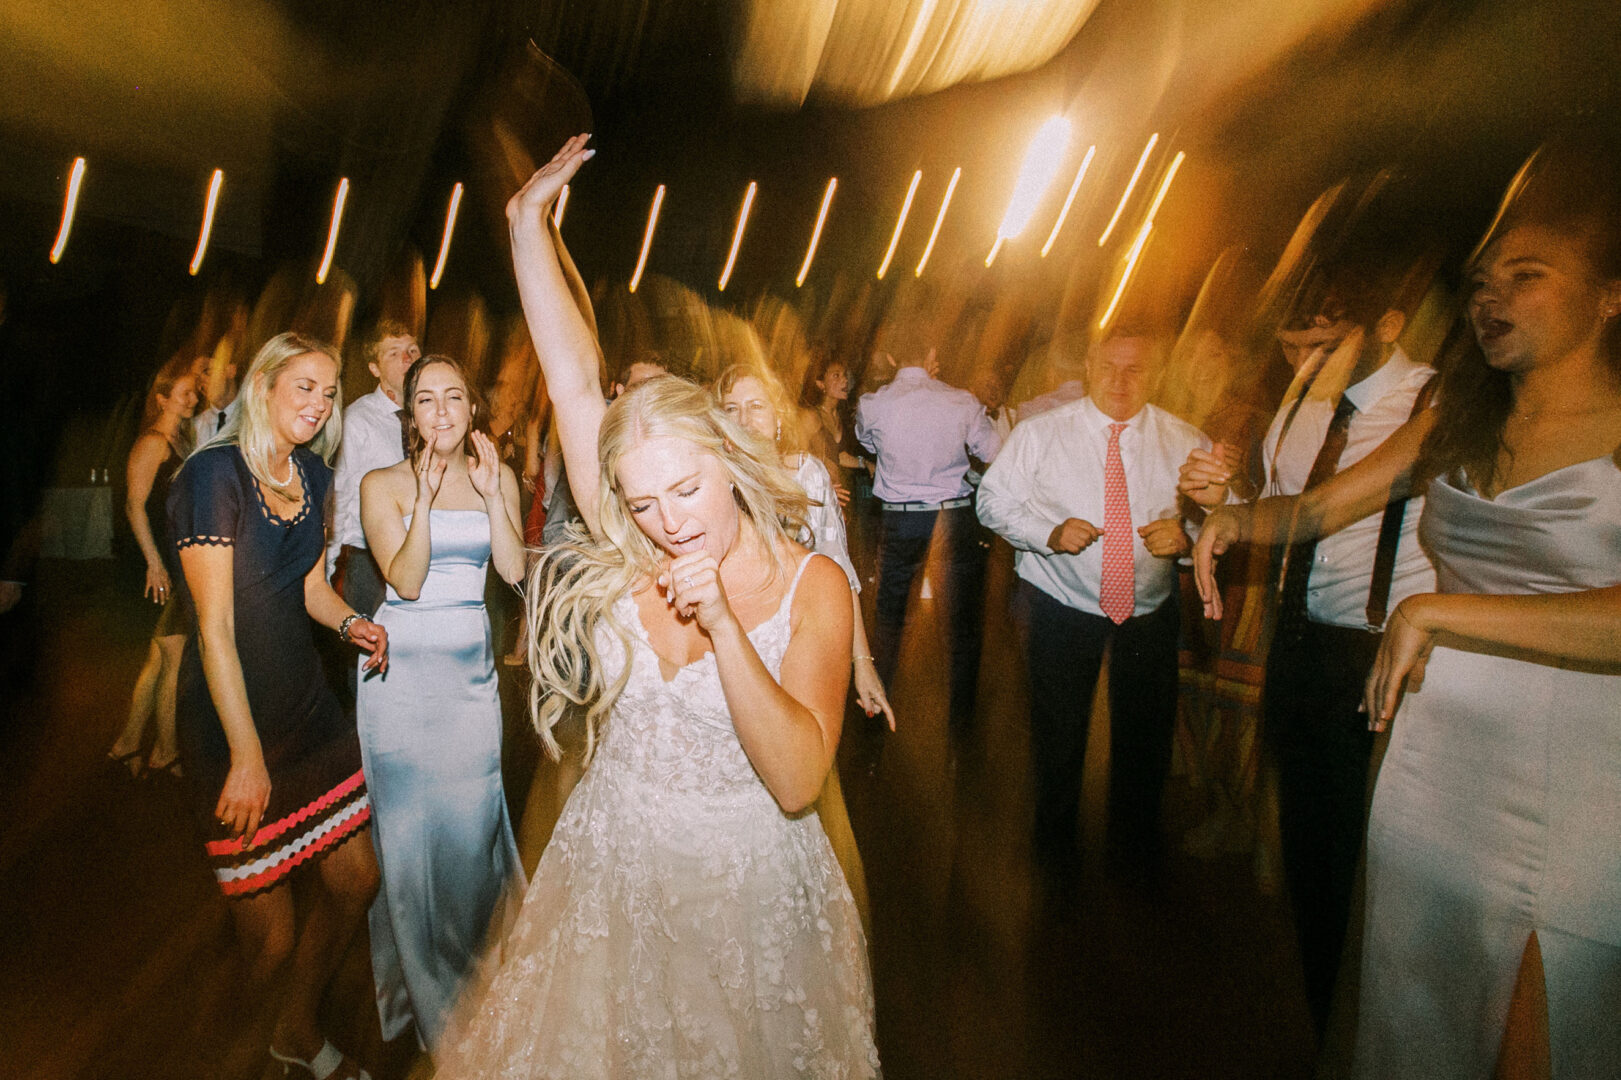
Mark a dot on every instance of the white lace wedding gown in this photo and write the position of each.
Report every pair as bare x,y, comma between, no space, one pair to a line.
679,923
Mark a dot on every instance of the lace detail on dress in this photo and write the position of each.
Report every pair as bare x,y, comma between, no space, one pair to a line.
679,924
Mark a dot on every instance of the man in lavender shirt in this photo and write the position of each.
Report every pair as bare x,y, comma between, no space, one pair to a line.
923,431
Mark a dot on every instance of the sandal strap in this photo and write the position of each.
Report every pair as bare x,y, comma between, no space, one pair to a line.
326,1062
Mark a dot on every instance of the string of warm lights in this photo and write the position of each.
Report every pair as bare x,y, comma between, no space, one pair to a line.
338,202
900,224
647,237
444,242
737,234
939,219
1042,160
69,204
209,203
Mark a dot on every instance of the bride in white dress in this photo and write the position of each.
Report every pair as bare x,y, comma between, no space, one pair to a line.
688,917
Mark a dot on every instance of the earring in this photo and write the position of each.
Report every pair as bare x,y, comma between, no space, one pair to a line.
779,430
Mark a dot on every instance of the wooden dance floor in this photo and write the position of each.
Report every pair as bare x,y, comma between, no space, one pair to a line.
116,954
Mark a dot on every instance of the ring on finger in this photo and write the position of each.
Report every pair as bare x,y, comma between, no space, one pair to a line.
687,581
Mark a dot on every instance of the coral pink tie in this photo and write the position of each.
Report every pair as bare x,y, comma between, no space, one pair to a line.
1118,594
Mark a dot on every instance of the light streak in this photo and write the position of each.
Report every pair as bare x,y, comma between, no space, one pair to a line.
69,205
1165,185
1125,278
1130,186
209,204
1036,172
900,224
737,235
557,211
332,231
816,234
996,247
647,237
444,241
1080,174
939,218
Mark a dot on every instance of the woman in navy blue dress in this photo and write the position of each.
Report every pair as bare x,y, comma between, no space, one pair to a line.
274,763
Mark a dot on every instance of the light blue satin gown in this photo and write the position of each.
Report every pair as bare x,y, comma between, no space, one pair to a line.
430,738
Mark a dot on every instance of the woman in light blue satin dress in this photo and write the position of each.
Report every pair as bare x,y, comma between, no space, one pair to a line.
1492,939
430,730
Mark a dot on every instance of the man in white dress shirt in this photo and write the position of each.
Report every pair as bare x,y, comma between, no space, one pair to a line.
1086,493
372,439
1353,387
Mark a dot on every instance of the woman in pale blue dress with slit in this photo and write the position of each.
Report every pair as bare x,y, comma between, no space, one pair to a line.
430,730
1492,938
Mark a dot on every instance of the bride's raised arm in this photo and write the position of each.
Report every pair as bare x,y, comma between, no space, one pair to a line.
563,340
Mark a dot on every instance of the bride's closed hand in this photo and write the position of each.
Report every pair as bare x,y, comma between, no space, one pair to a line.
542,189
692,586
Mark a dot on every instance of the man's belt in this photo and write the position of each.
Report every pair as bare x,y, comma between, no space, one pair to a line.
920,507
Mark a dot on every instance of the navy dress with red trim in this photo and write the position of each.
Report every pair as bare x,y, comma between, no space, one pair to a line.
318,794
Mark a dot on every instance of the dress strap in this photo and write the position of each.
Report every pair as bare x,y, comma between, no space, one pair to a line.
788,598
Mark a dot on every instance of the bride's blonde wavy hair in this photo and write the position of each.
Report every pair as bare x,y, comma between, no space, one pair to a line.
574,585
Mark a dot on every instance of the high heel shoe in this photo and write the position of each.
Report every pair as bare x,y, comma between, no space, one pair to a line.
326,1063
170,769
126,763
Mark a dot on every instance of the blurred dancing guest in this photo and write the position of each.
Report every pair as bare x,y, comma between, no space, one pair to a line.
430,728
1493,873
372,439
754,398
163,444
924,432
1353,387
1086,492
830,435
274,765
688,917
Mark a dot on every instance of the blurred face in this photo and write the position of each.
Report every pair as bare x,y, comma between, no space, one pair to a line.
300,399
640,372
440,408
747,403
680,496
1323,335
395,355
1211,368
835,382
1536,296
181,401
1121,375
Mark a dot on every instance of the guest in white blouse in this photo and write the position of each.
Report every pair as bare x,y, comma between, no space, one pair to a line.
1086,492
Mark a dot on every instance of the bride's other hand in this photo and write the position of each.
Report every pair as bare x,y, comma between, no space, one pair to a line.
542,189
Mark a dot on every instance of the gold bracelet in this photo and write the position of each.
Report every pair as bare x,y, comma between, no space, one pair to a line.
863,658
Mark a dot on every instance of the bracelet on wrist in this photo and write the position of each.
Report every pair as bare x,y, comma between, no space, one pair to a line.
348,622
864,658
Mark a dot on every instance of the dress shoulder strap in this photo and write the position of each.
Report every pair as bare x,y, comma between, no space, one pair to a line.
793,586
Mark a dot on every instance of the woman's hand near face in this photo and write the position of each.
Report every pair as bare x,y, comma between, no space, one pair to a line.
484,470
430,472
692,586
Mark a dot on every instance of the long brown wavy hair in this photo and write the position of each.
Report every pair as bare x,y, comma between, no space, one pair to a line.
1574,190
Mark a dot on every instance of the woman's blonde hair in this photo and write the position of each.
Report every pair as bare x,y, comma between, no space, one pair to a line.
575,584
249,424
